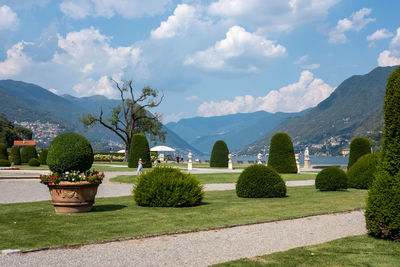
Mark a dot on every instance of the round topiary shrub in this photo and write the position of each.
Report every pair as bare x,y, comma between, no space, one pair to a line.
281,154
259,181
5,163
359,146
34,162
43,156
382,213
70,152
139,150
362,173
27,153
167,187
219,154
3,151
15,155
331,179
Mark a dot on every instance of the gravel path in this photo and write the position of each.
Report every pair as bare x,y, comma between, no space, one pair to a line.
201,248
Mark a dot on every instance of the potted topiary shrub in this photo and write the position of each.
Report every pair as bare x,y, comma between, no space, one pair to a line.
72,185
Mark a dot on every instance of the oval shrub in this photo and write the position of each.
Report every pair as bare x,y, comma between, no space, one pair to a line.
34,162
15,155
167,187
281,154
260,181
219,154
27,153
358,147
331,179
362,173
5,163
139,149
43,156
3,151
70,152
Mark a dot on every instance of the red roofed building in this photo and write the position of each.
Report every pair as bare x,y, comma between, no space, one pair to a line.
24,143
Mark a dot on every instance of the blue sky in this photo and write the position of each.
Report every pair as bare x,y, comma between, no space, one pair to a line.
210,58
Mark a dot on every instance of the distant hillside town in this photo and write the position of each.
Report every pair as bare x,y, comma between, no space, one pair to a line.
43,132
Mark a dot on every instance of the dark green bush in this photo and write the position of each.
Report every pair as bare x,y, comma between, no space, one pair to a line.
281,154
70,152
167,187
15,155
331,179
139,149
359,146
3,151
43,156
34,162
219,154
382,212
27,153
260,181
362,173
5,163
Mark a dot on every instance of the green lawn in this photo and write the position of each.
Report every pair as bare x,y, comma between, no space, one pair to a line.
34,225
350,251
215,178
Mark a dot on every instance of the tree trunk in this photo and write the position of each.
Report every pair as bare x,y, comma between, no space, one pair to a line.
127,150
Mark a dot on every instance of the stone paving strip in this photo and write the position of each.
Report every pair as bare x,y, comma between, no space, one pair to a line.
201,248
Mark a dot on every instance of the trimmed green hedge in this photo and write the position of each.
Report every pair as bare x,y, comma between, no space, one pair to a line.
34,162
331,179
5,163
27,153
15,155
43,156
139,149
167,187
105,156
3,151
359,146
362,173
70,152
258,181
281,154
219,154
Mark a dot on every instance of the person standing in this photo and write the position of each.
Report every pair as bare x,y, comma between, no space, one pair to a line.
140,167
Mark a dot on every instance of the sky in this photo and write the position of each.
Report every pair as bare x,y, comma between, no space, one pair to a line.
208,58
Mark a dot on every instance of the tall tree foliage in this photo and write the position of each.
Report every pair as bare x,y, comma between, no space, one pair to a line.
9,132
132,115
383,205
281,154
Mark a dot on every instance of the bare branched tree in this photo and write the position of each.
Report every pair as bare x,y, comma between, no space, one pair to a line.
132,115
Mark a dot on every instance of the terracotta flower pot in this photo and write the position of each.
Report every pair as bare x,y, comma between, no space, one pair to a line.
71,197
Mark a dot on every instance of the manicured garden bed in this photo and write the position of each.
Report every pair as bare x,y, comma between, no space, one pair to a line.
35,224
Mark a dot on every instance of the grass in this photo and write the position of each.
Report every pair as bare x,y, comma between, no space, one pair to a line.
350,251
35,225
215,178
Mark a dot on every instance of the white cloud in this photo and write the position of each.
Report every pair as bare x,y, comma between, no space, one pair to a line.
102,86
357,22
378,35
185,18
15,62
391,57
301,59
78,9
238,44
310,67
272,15
192,98
174,117
54,91
8,19
305,93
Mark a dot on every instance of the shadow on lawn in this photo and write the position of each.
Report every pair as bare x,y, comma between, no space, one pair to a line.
110,207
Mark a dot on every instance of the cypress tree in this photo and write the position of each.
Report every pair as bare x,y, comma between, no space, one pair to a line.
43,157
359,146
139,149
219,154
15,155
382,212
3,151
27,153
281,154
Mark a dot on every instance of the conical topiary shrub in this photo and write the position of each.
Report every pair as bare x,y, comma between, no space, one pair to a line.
139,150
43,156
382,212
281,154
219,154
15,155
362,173
3,151
359,146
27,153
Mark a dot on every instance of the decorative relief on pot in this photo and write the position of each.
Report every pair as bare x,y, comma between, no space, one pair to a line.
67,194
